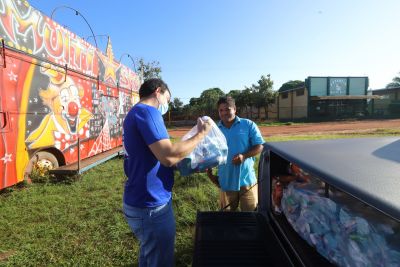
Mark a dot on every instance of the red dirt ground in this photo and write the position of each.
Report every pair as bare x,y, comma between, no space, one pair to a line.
315,128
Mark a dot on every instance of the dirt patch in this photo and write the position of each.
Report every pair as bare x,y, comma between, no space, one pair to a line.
5,255
315,128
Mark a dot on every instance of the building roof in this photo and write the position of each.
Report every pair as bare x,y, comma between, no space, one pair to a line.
366,168
337,77
385,90
292,89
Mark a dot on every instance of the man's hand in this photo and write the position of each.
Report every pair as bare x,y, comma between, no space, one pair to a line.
238,159
203,127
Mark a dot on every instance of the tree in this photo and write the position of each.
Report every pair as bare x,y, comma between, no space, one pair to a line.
291,85
148,70
176,104
208,101
193,108
395,82
194,101
205,104
234,94
261,95
248,99
176,107
239,100
265,94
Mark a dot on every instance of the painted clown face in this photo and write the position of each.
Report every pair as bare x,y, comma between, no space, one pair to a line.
63,96
67,120
69,100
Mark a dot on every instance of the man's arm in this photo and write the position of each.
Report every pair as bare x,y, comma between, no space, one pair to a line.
253,151
170,154
255,138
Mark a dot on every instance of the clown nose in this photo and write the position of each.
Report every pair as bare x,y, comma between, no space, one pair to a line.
73,109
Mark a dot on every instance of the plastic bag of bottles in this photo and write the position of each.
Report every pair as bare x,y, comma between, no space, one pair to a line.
210,152
343,230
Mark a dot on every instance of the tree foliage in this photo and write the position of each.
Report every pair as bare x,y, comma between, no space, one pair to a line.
257,96
239,99
148,70
291,85
176,104
395,82
205,104
209,99
265,93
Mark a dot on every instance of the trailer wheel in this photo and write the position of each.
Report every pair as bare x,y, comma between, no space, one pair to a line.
41,162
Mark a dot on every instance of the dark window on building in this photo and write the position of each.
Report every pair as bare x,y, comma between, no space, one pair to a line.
300,92
285,95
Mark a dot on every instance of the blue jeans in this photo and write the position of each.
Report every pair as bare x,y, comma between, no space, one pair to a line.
155,229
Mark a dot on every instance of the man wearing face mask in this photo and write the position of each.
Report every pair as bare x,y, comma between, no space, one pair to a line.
149,158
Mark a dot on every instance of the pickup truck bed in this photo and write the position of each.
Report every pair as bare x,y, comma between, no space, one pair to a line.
364,169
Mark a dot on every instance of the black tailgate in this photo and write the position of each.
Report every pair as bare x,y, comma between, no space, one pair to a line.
236,239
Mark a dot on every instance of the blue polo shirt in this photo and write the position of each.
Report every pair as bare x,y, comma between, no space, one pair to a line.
149,183
242,135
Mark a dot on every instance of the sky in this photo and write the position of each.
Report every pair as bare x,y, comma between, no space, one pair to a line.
230,44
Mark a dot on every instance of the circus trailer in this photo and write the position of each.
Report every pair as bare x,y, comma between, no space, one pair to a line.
62,101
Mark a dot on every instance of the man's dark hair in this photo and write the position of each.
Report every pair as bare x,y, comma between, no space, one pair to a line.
226,100
150,85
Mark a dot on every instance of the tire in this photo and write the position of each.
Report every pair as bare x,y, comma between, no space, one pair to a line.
42,160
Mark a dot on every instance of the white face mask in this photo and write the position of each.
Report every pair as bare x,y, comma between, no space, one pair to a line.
163,108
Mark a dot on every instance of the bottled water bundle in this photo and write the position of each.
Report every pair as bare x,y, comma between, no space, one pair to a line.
347,233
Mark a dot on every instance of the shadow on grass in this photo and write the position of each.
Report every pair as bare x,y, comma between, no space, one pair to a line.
56,179
184,256
42,179
17,187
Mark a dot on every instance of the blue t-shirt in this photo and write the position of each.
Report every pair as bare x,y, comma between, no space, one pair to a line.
149,183
241,136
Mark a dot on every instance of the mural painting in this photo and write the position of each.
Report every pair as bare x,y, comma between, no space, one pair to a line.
56,88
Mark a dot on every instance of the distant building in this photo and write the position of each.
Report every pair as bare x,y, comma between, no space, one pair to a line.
325,98
388,104
293,103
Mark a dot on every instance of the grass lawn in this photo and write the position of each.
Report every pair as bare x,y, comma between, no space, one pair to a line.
81,223
374,133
